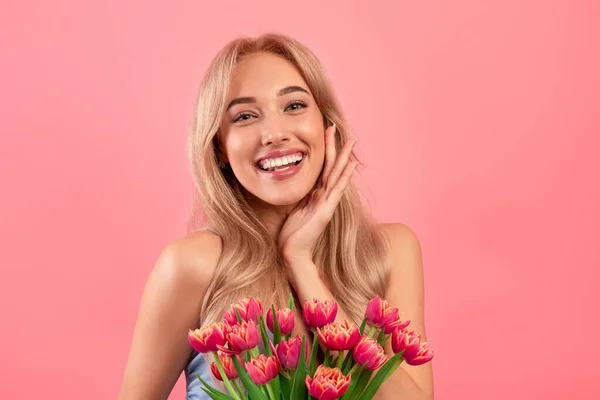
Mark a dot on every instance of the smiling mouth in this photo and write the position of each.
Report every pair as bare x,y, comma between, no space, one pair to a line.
281,168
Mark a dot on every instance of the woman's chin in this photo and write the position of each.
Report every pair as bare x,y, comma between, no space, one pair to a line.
283,201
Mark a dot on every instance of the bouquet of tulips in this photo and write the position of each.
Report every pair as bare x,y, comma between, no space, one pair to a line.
286,370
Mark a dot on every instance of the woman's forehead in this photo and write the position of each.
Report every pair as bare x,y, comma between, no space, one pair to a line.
263,74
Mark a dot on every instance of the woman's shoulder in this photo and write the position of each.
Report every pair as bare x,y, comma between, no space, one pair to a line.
402,242
191,259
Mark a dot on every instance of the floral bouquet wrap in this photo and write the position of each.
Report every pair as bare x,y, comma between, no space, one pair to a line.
354,365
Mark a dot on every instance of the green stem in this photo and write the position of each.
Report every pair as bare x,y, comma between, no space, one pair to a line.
240,389
327,361
271,394
340,360
355,368
224,376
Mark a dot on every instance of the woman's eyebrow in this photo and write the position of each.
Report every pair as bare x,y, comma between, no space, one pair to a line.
281,92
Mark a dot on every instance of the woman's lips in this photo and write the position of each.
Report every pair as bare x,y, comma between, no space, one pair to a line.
283,174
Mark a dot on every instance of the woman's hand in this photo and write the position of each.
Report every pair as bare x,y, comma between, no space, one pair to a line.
308,219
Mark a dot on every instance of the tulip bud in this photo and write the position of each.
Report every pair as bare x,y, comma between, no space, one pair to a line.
208,338
318,313
415,352
369,353
248,308
285,319
338,335
328,383
228,367
396,324
262,369
242,337
380,314
288,352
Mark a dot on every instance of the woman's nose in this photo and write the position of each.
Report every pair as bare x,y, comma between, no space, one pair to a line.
274,133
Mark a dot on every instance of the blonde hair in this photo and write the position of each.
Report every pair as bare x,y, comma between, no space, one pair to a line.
349,253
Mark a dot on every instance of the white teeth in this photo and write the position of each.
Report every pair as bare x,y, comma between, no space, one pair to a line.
278,162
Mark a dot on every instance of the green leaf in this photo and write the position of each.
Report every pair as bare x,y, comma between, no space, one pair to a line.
263,334
291,302
212,392
363,380
312,364
384,372
348,362
252,388
237,314
353,382
362,326
217,396
381,337
277,333
299,391
286,385
275,386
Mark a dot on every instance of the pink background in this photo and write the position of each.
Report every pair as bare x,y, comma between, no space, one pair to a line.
478,123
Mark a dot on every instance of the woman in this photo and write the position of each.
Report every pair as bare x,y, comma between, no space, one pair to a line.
273,164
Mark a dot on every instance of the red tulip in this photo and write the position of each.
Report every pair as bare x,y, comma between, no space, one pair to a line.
328,383
249,309
262,369
288,352
228,367
339,335
368,351
242,337
318,313
285,319
380,314
208,338
415,352
396,324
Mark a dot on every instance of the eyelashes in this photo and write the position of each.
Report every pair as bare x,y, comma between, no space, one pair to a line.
293,106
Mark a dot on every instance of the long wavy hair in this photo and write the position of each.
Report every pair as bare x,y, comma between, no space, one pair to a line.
350,251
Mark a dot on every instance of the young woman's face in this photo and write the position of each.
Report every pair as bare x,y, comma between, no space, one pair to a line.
271,109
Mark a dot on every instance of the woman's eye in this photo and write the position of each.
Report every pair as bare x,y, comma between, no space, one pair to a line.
295,106
242,117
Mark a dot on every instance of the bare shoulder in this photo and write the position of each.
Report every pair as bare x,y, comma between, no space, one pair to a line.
404,247
169,307
191,259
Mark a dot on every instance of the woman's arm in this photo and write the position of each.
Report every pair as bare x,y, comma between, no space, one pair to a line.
169,307
405,292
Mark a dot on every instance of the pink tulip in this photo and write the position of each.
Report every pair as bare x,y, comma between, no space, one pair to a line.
249,309
288,352
285,319
242,337
368,351
208,338
415,352
228,367
339,335
318,313
262,369
396,324
328,383
380,314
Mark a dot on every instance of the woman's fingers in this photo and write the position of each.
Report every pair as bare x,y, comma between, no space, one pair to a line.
342,161
329,152
338,189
